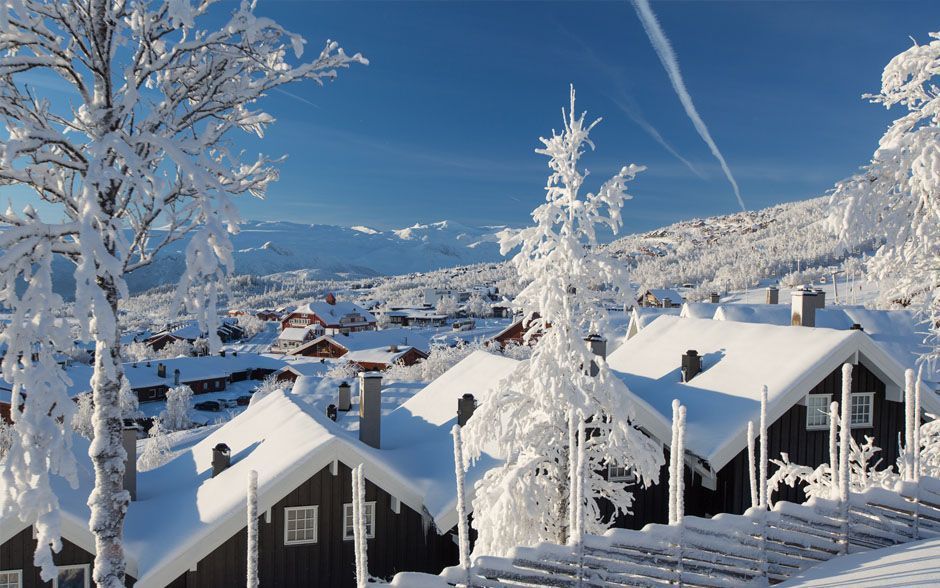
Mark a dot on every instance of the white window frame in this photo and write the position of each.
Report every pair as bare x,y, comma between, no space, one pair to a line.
18,577
871,410
628,478
316,524
370,520
817,426
84,567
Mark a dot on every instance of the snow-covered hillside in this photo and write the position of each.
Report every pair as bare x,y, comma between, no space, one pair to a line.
328,252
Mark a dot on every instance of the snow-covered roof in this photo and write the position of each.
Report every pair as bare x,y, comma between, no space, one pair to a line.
193,369
641,316
296,333
363,340
737,359
379,355
907,564
698,310
664,293
332,313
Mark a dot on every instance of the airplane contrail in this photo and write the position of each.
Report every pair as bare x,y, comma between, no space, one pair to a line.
668,58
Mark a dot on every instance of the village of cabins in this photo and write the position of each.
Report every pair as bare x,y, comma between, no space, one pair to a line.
186,523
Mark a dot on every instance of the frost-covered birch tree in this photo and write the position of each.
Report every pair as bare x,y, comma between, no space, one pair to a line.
526,419
139,138
897,195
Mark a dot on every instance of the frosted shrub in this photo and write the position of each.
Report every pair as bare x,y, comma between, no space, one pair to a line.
156,449
175,417
82,420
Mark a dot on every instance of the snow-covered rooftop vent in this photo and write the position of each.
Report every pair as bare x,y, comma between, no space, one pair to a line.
773,295
691,364
221,459
370,408
344,399
714,297
803,307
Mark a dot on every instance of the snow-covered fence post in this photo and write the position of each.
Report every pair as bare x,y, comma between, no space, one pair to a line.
579,507
463,533
833,449
751,463
917,382
909,425
672,461
680,467
572,475
359,527
845,434
252,530
763,447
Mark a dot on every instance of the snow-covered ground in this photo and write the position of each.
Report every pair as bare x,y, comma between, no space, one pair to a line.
900,566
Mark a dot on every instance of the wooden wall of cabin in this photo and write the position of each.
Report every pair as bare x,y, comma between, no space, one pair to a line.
17,554
403,542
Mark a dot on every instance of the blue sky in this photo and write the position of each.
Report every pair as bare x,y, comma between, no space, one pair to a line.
443,123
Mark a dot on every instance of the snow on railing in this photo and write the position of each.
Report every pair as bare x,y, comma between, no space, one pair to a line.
755,548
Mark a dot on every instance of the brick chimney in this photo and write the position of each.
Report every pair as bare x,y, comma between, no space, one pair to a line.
466,404
803,307
370,408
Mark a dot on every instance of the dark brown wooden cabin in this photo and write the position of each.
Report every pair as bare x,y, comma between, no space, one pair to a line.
788,434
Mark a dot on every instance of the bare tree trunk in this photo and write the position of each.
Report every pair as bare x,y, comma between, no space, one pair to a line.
109,500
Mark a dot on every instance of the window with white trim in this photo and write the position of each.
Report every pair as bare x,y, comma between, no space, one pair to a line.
817,411
862,409
300,524
77,576
618,473
11,579
369,515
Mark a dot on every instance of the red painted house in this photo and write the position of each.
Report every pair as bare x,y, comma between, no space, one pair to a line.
334,316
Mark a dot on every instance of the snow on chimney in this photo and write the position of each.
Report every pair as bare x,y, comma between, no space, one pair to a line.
598,347
370,408
803,307
221,459
691,365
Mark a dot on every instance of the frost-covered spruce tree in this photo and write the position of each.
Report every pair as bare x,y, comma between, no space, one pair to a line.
138,137
525,500
897,196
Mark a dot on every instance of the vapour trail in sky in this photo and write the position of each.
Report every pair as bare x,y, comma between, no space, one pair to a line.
668,58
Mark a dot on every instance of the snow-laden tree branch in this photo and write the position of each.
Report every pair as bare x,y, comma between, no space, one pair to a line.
526,419
136,153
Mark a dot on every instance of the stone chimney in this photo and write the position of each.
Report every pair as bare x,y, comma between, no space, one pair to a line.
176,377
598,347
857,327
691,365
714,297
129,440
803,307
344,400
820,298
667,303
466,404
773,295
221,459
370,408
161,370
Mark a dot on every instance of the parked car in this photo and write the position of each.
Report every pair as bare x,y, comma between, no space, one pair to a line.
464,325
227,402
243,400
209,405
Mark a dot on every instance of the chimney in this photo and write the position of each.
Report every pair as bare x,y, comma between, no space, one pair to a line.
857,327
221,459
691,365
714,298
803,307
176,377
598,347
222,353
773,295
129,440
344,401
161,370
234,354
667,303
331,412
466,404
370,408
820,298
331,299
393,348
